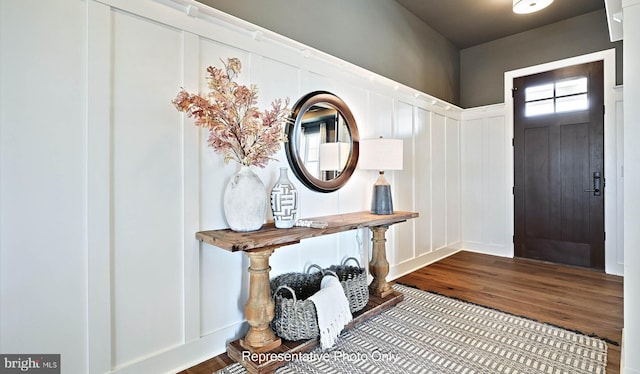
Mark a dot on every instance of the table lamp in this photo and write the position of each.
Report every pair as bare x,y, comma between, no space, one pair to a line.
381,154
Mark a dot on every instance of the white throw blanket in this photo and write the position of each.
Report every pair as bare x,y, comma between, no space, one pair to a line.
333,310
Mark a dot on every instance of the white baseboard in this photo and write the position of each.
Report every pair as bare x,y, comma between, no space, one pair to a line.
488,249
185,355
403,268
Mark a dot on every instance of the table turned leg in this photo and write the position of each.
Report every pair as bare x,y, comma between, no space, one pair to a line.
379,266
259,310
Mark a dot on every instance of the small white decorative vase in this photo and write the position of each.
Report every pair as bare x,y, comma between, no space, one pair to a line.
284,201
245,203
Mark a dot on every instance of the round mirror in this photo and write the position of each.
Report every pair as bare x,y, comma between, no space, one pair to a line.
322,145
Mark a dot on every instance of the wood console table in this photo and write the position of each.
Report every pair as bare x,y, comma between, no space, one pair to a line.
259,245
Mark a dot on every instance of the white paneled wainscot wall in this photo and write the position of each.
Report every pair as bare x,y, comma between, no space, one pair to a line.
116,280
486,184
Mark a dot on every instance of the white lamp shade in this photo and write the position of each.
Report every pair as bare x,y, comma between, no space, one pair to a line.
529,6
334,156
380,154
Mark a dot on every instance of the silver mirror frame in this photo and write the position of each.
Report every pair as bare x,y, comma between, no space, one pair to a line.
294,131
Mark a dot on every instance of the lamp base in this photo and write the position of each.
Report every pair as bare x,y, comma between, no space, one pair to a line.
381,202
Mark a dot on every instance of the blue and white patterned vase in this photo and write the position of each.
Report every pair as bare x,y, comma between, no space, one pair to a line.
284,201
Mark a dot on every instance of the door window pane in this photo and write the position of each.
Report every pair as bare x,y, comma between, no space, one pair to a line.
572,103
556,97
571,87
538,92
537,108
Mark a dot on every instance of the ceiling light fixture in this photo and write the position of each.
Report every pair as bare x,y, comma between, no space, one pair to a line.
529,6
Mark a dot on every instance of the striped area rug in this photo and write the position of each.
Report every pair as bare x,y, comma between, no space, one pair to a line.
429,333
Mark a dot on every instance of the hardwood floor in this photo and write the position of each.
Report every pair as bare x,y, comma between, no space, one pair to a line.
574,298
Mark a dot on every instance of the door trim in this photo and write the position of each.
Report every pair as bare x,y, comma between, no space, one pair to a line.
613,262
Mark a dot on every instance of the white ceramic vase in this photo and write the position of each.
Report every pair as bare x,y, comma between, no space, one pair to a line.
245,203
284,201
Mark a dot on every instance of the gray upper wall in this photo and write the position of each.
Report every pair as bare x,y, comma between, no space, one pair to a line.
482,67
378,35
383,37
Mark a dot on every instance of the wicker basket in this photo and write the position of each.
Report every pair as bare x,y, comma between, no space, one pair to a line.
303,284
295,317
354,283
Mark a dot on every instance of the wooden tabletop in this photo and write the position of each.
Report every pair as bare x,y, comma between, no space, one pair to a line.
270,236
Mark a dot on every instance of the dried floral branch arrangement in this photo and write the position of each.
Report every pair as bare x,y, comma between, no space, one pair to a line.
237,128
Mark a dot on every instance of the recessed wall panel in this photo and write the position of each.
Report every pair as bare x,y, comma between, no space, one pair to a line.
439,181
147,193
423,177
220,306
472,174
453,181
403,184
494,183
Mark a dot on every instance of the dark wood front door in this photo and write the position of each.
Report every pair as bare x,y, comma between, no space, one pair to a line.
559,166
